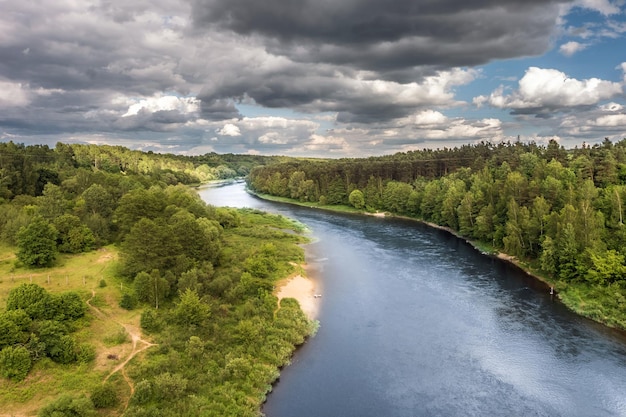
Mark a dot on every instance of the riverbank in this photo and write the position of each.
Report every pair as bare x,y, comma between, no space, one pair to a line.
302,289
583,301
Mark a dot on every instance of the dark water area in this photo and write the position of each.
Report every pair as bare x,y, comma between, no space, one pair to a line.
416,322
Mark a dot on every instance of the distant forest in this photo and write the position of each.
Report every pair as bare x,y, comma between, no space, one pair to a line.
559,212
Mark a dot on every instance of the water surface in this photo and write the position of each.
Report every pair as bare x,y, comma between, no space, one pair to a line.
415,322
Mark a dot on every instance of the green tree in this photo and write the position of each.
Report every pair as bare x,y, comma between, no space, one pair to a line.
74,236
70,306
149,245
608,267
357,199
97,200
52,203
191,310
37,244
151,288
549,256
15,362
10,333
32,299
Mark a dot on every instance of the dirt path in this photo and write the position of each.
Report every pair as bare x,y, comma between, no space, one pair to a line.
139,345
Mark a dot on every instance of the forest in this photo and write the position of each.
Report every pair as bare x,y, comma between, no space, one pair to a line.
558,212
197,280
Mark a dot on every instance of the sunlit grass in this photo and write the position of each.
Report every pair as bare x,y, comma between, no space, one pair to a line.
82,273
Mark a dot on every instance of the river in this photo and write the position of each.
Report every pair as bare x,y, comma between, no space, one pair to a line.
415,322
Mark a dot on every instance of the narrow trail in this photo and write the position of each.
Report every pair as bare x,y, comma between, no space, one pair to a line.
139,345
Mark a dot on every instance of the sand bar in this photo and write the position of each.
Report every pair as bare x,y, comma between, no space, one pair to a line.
302,289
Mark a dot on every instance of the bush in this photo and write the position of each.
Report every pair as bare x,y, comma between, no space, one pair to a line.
143,392
15,362
66,405
103,283
150,321
104,396
67,350
128,301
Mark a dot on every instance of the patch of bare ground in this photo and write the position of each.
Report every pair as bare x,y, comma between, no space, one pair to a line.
121,354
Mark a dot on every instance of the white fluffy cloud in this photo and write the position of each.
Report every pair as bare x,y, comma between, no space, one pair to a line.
602,6
163,103
12,95
229,129
543,90
572,47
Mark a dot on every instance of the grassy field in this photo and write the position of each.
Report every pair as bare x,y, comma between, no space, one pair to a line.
106,327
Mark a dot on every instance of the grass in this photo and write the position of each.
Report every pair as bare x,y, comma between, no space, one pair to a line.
80,273
328,207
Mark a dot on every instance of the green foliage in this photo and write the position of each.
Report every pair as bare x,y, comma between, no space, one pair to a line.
36,243
357,199
191,311
85,353
10,333
70,306
32,299
151,288
73,237
36,325
608,267
67,406
104,396
128,301
150,321
15,362
169,387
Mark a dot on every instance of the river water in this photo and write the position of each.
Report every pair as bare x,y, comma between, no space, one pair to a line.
415,322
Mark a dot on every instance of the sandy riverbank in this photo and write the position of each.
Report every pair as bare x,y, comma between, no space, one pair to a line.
302,289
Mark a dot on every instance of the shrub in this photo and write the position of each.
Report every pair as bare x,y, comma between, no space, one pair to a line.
150,321
128,301
66,405
104,396
143,392
15,362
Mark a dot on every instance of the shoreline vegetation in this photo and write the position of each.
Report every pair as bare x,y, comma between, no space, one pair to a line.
479,246
146,259
180,333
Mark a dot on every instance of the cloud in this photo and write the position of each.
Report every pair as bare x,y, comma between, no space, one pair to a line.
352,77
601,6
385,36
12,95
571,48
355,98
164,103
606,121
541,91
229,129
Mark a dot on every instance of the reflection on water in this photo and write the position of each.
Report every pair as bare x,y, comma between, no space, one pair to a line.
415,322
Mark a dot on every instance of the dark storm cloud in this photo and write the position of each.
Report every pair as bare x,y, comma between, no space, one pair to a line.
218,109
389,35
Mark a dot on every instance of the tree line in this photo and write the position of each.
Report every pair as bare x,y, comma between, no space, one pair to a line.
561,211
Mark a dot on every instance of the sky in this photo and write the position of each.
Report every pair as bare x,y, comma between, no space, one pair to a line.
319,78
